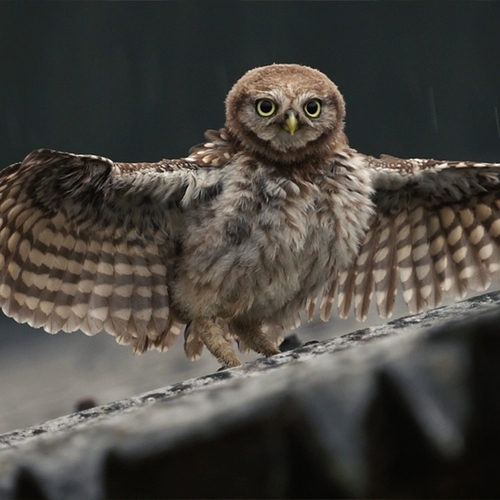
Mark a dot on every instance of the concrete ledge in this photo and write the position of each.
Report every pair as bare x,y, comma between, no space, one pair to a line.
407,409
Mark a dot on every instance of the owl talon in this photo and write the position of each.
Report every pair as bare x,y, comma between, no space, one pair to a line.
253,337
211,334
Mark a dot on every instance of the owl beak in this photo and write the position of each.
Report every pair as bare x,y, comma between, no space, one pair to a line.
291,124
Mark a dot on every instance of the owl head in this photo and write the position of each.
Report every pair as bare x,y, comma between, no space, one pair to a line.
286,113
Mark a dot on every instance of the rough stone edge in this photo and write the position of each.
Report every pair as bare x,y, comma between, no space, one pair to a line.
420,322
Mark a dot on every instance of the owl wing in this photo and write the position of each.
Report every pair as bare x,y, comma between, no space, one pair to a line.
85,243
436,232
216,152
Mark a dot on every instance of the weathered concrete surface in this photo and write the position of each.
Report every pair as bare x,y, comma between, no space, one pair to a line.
406,409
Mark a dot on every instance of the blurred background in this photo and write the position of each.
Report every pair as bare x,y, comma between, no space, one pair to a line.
141,81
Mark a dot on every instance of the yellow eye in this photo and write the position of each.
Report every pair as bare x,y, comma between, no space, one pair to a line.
265,107
313,108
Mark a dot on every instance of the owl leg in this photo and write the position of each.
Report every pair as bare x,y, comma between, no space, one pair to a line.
251,334
211,333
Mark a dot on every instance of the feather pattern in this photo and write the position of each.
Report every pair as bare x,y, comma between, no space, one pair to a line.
436,228
364,280
80,240
385,267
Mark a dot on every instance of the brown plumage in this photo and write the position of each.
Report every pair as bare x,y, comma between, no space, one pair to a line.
239,238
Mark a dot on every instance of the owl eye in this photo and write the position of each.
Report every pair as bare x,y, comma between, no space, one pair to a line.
313,108
265,107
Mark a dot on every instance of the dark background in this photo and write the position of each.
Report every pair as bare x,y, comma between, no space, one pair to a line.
143,80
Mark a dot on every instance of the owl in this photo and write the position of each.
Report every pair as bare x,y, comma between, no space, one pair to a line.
275,216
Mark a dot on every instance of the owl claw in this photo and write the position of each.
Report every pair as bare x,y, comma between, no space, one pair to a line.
253,337
211,333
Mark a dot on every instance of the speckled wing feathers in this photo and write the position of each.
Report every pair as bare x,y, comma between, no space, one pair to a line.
436,232
85,242
216,152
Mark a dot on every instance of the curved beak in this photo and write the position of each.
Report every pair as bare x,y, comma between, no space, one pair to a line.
291,124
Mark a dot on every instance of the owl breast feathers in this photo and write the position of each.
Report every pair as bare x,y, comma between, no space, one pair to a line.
238,239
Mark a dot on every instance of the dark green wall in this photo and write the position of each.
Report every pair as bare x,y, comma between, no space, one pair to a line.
143,80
